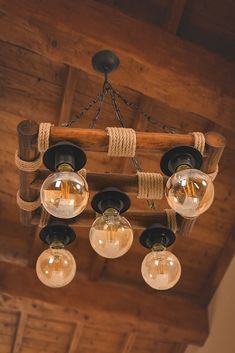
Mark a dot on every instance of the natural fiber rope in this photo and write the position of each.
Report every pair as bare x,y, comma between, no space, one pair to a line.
26,166
27,205
122,142
44,136
44,218
199,141
150,186
82,172
171,219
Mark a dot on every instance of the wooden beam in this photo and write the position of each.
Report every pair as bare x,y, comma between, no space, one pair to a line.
129,342
127,306
68,95
138,220
28,151
74,345
154,62
97,140
20,332
97,181
174,15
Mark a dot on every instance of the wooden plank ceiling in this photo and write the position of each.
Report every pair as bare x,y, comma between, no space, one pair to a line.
46,75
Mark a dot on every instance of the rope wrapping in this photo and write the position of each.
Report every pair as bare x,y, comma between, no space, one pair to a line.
171,219
122,142
83,172
150,186
199,141
26,166
27,205
44,136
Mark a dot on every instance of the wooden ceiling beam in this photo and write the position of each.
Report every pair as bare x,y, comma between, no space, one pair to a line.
73,348
68,95
149,313
20,332
174,15
154,62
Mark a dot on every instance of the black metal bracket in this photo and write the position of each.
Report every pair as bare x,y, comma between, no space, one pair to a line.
64,152
157,234
180,155
110,198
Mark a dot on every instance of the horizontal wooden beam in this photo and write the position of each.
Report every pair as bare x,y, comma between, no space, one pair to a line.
138,220
97,181
149,313
98,140
154,62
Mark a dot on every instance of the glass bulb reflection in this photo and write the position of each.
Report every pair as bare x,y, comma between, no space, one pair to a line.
190,192
64,194
56,266
161,269
111,235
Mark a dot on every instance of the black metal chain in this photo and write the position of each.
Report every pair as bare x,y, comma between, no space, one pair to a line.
107,87
114,94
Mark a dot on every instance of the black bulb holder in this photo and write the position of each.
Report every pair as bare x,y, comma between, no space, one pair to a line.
105,61
110,197
64,153
57,231
157,234
180,155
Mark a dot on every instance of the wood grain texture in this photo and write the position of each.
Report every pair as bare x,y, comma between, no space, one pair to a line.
153,53
85,296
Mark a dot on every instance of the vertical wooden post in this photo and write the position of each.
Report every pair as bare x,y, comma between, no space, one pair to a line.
215,144
28,151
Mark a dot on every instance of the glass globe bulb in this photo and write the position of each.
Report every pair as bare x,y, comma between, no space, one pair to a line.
64,194
111,235
161,269
56,266
189,192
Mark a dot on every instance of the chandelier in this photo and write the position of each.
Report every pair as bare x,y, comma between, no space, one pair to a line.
189,164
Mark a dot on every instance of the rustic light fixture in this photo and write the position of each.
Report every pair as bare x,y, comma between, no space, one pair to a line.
111,235
64,194
160,268
56,266
189,191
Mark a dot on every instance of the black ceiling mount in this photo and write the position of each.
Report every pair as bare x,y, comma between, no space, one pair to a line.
180,155
105,61
57,231
157,234
110,198
64,152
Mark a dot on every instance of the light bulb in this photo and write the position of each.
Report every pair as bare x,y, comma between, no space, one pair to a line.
190,192
56,266
161,269
64,194
111,235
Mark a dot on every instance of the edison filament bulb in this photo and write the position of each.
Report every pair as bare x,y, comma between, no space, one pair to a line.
56,266
161,269
190,192
64,194
111,235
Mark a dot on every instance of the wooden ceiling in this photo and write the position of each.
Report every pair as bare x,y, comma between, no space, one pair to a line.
46,75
